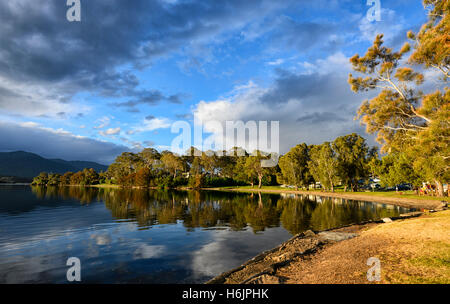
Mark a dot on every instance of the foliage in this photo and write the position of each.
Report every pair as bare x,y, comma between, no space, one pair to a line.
405,119
432,42
352,156
395,169
323,165
41,179
294,167
254,170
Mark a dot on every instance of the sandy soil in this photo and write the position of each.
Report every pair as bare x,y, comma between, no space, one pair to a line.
415,250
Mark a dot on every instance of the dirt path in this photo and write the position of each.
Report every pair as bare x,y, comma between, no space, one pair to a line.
414,250
403,202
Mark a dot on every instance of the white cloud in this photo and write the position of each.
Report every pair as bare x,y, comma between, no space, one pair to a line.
101,239
145,251
312,106
31,99
110,131
391,25
221,254
276,62
103,122
151,125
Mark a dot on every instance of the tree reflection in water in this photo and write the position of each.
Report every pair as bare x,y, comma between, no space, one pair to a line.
236,211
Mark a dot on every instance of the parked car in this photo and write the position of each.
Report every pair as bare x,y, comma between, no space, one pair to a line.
404,187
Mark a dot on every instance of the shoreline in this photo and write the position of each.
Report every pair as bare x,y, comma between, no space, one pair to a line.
339,255
427,204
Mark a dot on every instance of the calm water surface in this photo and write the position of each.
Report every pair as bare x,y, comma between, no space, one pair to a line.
140,236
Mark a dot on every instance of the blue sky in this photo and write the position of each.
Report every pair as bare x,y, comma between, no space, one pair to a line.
118,79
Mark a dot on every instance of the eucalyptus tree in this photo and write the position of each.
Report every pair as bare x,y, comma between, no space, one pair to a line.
294,166
404,118
323,165
352,156
171,163
254,170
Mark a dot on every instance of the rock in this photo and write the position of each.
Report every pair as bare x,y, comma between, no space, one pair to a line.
309,233
265,279
283,257
387,220
411,214
336,236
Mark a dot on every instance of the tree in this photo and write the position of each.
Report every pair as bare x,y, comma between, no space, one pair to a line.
150,157
124,165
196,176
393,115
405,119
254,170
373,162
209,162
171,163
226,165
395,169
41,179
323,165
143,176
90,177
294,166
431,43
239,173
352,156
65,178
77,178
53,179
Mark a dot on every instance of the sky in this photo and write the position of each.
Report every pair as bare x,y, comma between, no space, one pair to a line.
117,80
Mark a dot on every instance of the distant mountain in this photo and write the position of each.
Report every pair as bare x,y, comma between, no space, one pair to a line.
28,165
80,165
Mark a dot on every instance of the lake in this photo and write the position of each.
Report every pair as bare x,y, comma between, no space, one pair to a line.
154,236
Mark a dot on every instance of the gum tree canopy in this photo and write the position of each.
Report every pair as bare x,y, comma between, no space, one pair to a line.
404,118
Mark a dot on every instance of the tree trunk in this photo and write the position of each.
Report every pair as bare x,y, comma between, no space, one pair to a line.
332,187
259,181
439,188
251,183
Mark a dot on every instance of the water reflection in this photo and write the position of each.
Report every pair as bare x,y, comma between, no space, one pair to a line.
236,211
153,236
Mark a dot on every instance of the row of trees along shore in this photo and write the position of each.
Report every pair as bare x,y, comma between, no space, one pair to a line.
345,161
412,127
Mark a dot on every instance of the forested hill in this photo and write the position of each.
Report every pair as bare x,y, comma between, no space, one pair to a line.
25,164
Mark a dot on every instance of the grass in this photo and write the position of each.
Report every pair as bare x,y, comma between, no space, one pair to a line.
400,194
420,252
106,186
411,251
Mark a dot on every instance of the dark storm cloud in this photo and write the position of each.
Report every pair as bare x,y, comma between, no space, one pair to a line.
322,117
52,144
39,46
152,97
315,89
